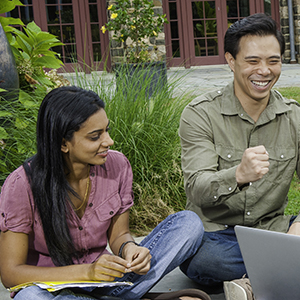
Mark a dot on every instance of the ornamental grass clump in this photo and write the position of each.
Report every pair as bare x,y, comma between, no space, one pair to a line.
133,23
146,131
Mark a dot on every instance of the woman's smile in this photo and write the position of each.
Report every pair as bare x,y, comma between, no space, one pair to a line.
103,153
91,142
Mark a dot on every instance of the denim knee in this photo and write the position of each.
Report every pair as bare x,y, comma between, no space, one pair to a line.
191,223
217,259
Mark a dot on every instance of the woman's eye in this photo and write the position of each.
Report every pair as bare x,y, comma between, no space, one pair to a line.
95,138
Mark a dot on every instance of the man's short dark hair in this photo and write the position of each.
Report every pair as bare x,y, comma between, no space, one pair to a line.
258,24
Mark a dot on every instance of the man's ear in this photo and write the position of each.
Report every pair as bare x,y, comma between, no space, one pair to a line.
230,60
64,147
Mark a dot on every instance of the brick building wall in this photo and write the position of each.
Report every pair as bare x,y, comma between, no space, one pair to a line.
284,22
157,45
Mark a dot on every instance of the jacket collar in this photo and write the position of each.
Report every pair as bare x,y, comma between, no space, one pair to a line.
231,106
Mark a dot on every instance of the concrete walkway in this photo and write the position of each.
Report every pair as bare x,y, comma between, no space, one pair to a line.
198,80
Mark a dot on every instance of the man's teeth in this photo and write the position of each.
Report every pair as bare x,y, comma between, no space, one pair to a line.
260,83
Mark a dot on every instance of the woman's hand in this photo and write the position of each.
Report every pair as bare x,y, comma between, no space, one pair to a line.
139,258
108,267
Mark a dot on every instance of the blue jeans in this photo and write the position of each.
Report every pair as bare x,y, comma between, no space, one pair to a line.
173,241
218,259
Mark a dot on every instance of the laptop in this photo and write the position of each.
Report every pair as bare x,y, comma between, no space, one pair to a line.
272,261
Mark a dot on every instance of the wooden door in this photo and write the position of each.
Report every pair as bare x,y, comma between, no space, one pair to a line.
205,32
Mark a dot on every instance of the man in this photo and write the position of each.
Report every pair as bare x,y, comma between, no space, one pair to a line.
240,149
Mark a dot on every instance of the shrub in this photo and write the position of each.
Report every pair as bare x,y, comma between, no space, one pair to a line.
18,116
32,53
146,131
31,48
136,21
18,111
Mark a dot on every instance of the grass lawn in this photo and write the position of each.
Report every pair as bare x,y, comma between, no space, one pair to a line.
291,92
294,192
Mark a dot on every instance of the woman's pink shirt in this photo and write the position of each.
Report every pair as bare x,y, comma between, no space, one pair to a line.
111,194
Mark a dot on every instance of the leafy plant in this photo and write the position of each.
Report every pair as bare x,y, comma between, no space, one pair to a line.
18,116
18,110
132,22
31,49
6,6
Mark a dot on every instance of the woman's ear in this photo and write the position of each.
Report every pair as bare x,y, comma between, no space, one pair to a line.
230,60
64,147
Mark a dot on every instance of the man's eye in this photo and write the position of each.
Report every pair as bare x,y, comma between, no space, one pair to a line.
273,62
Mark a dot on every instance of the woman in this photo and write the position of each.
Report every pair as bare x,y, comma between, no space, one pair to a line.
59,209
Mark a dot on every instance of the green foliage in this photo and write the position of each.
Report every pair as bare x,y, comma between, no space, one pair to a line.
134,19
291,92
32,52
18,110
6,6
293,206
31,48
146,131
18,114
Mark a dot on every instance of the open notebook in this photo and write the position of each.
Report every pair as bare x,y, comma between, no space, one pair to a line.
53,286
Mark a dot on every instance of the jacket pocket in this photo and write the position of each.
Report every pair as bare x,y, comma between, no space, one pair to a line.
228,157
282,164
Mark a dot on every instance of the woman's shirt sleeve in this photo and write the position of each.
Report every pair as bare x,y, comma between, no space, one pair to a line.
16,212
126,192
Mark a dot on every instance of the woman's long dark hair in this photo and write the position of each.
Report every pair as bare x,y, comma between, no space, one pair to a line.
61,113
